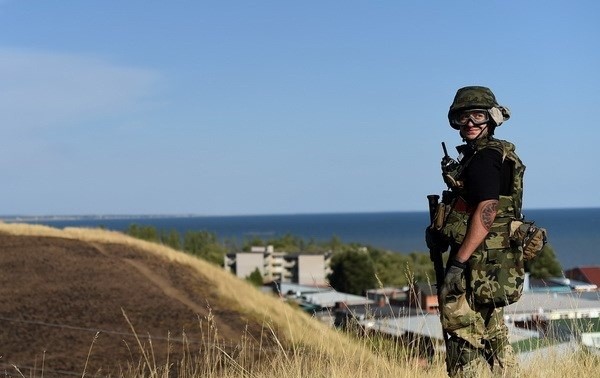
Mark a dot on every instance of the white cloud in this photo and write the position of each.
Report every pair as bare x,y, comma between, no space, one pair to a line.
44,89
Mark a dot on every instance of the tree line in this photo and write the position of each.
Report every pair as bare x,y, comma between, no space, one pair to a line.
354,266
203,244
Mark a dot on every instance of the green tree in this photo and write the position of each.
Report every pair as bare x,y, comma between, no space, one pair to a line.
230,244
312,247
421,266
335,244
352,271
171,239
287,243
397,269
204,244
148,233
255,278
545,264
391,268
255,241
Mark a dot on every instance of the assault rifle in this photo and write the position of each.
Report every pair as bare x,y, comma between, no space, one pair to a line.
449,169
435,253
449,172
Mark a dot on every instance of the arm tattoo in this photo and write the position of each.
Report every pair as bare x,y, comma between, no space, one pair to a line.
488,213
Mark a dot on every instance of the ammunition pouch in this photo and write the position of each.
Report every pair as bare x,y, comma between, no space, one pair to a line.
451,219
440,216
497,276
527,236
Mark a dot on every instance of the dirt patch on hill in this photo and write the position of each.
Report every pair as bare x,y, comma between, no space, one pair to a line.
62,297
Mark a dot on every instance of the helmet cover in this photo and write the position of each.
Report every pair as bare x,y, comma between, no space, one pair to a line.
476,97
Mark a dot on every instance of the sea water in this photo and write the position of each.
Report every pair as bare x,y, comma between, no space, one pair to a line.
573,233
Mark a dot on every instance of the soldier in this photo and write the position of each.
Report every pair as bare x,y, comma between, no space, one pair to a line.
484,272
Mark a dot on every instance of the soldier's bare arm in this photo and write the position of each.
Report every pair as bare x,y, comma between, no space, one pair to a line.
481,222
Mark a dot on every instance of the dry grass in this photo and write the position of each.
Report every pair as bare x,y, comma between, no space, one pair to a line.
307,348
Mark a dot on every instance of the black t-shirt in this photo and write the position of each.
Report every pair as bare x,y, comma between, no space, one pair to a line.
486,176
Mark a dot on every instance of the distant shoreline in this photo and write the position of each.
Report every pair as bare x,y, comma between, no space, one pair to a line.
73,217
45,218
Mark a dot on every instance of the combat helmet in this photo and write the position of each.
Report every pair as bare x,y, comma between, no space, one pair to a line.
476,97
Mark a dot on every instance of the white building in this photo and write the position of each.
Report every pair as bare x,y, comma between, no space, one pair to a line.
304,269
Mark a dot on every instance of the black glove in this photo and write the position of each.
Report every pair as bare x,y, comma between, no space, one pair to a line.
454,281
435,241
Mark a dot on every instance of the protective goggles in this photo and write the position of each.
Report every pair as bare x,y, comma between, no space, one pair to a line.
477,116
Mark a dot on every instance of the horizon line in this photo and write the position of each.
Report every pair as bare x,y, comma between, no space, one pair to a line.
12,217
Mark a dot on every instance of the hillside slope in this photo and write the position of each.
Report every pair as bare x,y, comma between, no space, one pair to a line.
60,288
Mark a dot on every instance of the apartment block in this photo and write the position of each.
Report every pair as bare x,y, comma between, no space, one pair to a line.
299,268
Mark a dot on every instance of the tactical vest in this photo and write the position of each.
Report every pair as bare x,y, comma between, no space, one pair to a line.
497,269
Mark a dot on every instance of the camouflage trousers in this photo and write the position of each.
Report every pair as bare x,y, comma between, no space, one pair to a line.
478,343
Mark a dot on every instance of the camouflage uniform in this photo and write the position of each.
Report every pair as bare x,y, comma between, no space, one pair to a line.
494,273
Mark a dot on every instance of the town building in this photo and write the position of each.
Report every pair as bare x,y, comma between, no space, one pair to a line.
423,296
299,268
393,296
554,311
588,274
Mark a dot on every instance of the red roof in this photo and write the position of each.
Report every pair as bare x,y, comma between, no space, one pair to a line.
589,274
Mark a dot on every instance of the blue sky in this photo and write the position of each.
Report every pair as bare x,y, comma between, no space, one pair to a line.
272,107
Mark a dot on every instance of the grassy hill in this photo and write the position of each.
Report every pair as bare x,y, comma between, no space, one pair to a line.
100,302
89,302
